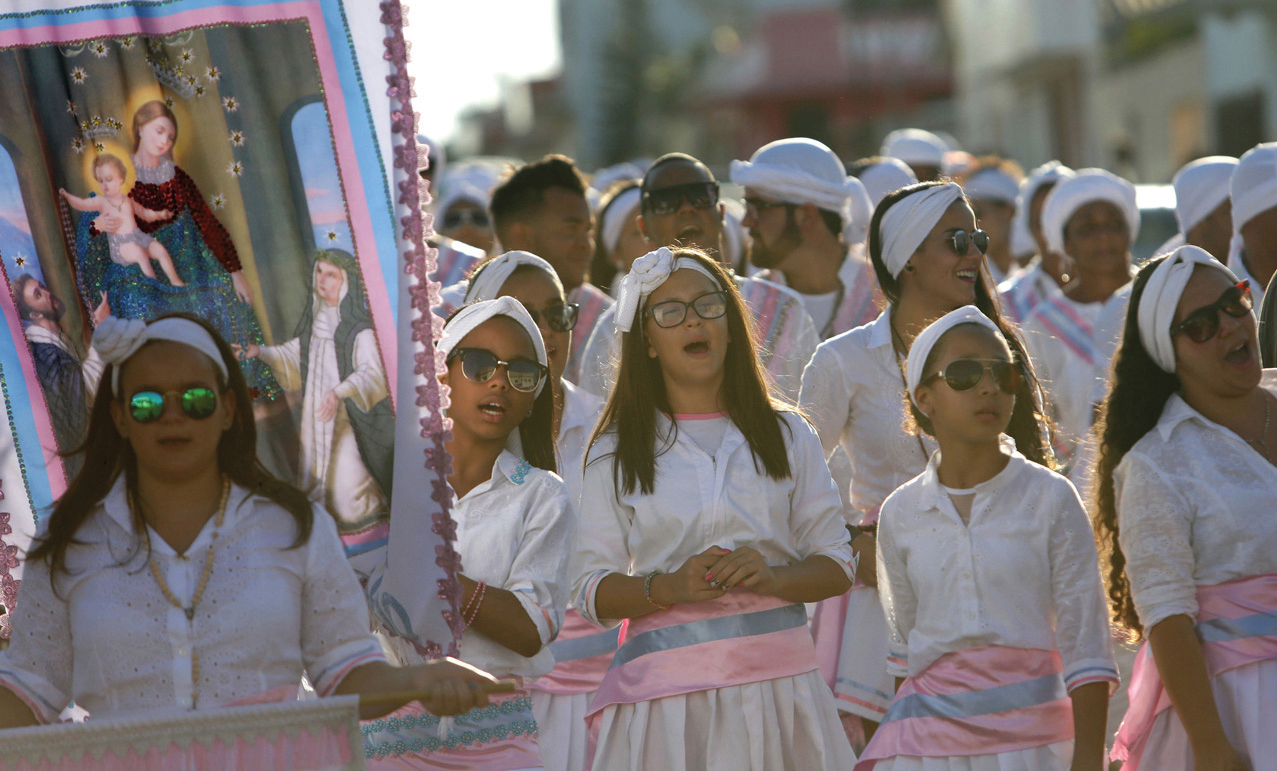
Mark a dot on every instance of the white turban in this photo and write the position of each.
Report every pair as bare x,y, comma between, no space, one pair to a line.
1021,234
470,317
1254,190
860,212
646,274
886,177
459,191
1074,192
909,220
617,213
486,284
116,340
914,146
1161,296
927,339
797,171
992,184
1200,188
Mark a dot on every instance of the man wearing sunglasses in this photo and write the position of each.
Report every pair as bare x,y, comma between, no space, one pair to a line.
542,209
462,215
797,201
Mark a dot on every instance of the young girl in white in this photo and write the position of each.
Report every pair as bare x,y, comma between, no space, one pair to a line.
711,519
989,580
514,530
927,254
1186,518
582,651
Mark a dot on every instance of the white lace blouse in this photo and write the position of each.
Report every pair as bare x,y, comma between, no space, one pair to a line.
111,641
1024,573
1196,507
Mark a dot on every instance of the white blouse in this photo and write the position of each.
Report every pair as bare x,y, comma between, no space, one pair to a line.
110,640
854,393
1197,506
1024,573
702,500
581,410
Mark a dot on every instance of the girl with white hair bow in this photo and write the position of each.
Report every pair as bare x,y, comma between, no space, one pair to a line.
1186,522
513,533
926,254
988,575
712,519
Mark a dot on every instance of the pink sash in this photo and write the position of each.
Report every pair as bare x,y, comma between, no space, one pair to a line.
979,701
1237,624
582,655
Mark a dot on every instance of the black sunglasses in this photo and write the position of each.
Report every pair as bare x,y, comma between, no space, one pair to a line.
961,241
667,200
198,403
711,305
965,374
456,218
560,318
1203,323
481,365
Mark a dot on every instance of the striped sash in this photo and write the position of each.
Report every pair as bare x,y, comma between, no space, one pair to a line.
582,655
861,304
764,301
1065,324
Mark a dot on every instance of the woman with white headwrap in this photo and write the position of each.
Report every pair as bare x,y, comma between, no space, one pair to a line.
993,186
1091,217
926,253
514,525
1253,192
1202,205
1046,273
988,575
712,519
1185,520
618,241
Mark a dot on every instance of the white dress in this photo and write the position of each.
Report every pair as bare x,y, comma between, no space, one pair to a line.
701,500
1022,573
1195,508
111,641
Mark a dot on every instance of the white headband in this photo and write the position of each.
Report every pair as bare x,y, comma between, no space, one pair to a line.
992,184
885,177
116,340
646,274
906,224
1161,296
1074,192
618,212
486,284
471,316
922,345
1200,188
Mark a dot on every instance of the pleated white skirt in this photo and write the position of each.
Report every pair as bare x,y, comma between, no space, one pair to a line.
1052,757
561,731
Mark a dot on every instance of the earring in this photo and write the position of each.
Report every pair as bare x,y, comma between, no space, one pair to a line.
909,267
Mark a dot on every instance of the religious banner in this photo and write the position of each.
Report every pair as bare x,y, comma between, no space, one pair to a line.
251,162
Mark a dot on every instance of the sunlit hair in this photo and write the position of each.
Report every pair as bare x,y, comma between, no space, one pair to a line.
147,113
107,455
1029,425
1139,390
631,410
536,431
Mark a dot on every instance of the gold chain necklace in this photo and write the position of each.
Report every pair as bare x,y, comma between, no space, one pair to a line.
199,589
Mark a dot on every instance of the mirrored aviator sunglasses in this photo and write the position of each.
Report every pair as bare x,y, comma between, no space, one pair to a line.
480,366
961,241
148,406
965,374
560,318
1203,323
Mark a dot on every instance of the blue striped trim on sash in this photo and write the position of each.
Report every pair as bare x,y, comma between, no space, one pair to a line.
1028,693
1225,629
711,629
1071,330
599,644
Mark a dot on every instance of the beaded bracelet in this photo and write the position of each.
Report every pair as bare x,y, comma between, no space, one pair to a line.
647,591
475,599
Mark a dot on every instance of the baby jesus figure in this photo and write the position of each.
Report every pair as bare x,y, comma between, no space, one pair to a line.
128,244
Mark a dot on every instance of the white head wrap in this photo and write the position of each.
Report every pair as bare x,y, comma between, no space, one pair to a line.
618,212
459,192
915,146
1021,234
927,339
860,212
646,274
471,316
116,340
1253,189
1074,192
992,184
797,171
907,223
886,177
1200,188
1161,296
486,284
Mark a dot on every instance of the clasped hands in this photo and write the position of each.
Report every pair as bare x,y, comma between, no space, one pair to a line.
714,571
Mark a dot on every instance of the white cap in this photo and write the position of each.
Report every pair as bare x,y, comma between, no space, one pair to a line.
916,147
1200,187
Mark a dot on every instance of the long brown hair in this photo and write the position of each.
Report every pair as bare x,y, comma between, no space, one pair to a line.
147,113
107,455
1139,392
631,410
